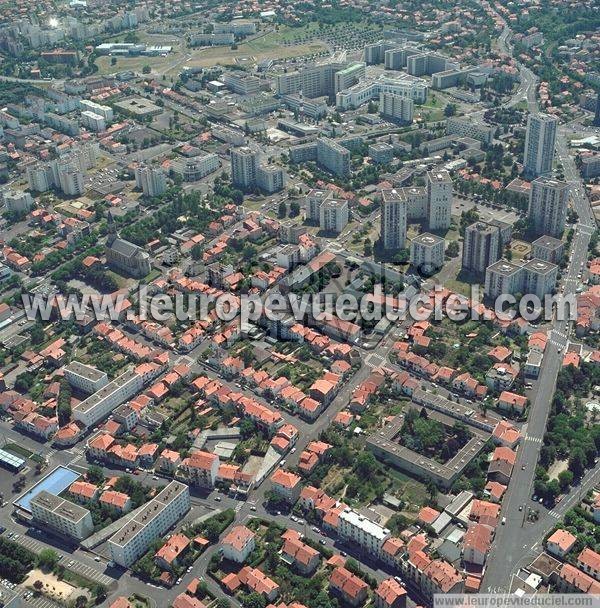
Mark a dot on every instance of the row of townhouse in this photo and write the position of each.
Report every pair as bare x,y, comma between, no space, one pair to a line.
119,341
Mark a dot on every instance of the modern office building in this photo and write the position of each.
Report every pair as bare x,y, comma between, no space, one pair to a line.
161,513
370,89
333,215
393,219
548,202
427,252
481,247
439,197
151,180
539,144
395,107
61,515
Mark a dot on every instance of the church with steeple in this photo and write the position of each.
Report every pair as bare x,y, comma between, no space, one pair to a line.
125,257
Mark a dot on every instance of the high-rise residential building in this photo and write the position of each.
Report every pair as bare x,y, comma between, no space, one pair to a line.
333,157
17,201
548,248
270,178
333,215
439,200
503,277
247,172
481,247
539,277
597,111
314,200
93,121
393,219
417,202
467,127
396,107
539,144
548,202
151,180
71,180
105,111
427,252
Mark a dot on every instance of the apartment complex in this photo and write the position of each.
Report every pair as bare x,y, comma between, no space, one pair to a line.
393,219
165,510
248,173
539,144
439,196
366,533
395,107
535,277
548,202
481,247
151,180
333,215
85,377
61,515
427,252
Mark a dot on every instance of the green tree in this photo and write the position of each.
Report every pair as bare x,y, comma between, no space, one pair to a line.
254,600
282,210
95,474
577,463
47,559
146,69
565,479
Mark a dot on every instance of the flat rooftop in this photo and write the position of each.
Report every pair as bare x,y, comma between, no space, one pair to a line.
87,404
85,371
60,506
55,482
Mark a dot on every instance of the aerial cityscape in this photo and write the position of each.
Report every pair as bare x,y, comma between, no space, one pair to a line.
299,303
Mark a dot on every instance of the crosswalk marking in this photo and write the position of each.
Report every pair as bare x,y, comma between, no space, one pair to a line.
554,514
533,439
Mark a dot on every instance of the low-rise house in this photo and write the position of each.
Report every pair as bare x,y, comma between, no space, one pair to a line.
168,556
302,557
390,594
476,544
201,468
589,562
348,587
572,580
258,582
511,401
286,485
83,492
560,543
238,544
116,500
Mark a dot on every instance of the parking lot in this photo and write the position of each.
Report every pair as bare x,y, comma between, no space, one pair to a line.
67,561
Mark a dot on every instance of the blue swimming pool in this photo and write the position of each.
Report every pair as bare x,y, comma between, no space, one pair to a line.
55,482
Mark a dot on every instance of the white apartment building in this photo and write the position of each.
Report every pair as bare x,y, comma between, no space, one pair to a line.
393,219
241,83
481,247
548,248
333,157
39,177
367,534
18,202
244,163
439,195
101,403
162,512
200,166
151,180
93,121
314,200
239,27
63,516
105,111
313,80
416,199
396,107
503,277
539,144
548,202
288,256
469,128
539,277
211,39
427,252
270,178
333,215
85,377
71,180
349,76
